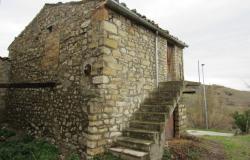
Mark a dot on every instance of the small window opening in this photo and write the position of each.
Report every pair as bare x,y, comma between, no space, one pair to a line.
87,70
50,29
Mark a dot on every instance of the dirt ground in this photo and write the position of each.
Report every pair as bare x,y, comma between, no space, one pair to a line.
192,148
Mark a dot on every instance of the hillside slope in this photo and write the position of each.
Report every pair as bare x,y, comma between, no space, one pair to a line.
231,97
222,102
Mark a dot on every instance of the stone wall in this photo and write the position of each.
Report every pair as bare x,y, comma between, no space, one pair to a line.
104,66
127,75
4,78
180,119
56,46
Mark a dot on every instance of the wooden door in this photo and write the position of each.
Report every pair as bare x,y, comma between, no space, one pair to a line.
170,128
170,62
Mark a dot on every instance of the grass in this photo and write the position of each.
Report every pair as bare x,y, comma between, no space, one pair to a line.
25,148
73,157
236,148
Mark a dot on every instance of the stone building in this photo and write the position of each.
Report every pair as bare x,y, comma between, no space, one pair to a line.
93,75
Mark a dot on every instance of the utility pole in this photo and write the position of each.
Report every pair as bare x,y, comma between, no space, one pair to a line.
199,75
205,98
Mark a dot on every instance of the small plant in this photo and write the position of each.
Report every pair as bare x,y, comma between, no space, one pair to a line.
74,156
242,121
193,154
6,133
106,156
166,155
27,148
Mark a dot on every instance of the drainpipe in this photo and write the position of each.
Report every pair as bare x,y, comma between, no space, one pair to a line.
156,59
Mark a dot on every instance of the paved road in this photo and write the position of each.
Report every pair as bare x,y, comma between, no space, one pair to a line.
208,133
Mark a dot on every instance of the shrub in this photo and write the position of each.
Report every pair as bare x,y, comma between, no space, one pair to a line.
106,156
27,148
242,121
166,155
6,133
74,157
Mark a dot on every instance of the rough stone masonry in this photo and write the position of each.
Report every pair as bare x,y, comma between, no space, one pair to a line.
105,62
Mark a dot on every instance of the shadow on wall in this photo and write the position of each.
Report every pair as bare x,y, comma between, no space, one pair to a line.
4,78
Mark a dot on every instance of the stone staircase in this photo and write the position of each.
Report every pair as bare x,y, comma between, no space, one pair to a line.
145,137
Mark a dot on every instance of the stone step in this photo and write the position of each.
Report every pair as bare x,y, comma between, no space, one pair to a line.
169,89
159,99
147,125
169,86
134,143
170,102
141,134
163,94
172,83
128,154
155,108
150,116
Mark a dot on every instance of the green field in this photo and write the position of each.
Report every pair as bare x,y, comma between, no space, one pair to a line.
236,148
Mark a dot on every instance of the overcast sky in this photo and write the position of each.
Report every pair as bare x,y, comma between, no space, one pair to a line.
217,32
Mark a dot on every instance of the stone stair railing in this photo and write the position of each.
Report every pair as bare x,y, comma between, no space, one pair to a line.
145,137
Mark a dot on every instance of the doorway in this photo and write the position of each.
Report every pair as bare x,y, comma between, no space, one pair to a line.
170,62
170,128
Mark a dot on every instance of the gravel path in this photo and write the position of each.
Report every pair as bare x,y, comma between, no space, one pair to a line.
208,133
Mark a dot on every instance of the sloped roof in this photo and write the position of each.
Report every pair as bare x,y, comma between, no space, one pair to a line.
133,15
122,9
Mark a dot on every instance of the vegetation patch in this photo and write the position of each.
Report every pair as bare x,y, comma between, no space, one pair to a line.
242,121
73,156
192,148
222,103
26,148
106,156
237,147
183,149
4,133
16,147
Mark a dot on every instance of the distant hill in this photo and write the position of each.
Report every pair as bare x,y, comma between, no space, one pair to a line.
231,97
222,102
